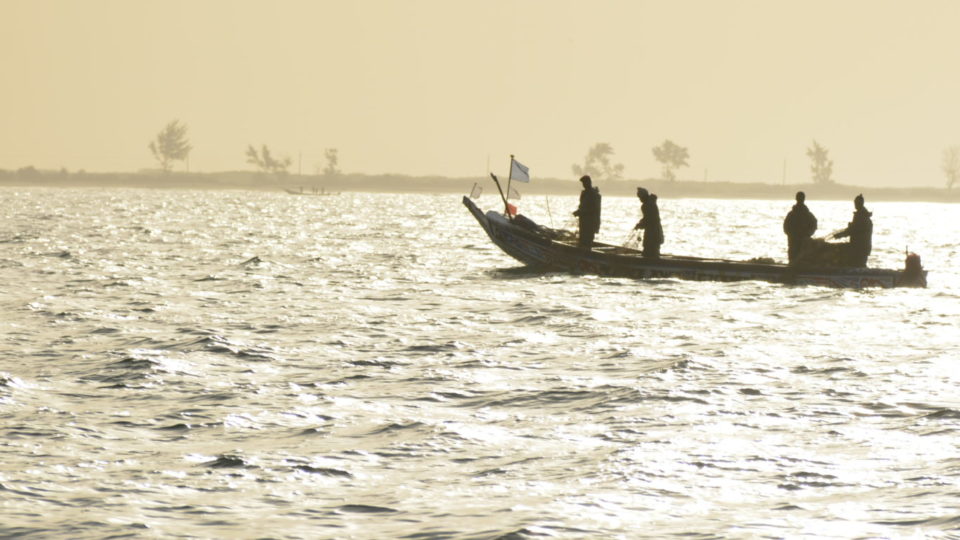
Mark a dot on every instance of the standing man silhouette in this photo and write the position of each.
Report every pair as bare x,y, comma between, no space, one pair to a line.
799,226
588,212
650,223
860,231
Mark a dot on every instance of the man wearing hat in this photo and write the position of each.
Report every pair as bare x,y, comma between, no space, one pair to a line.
860,231
588,212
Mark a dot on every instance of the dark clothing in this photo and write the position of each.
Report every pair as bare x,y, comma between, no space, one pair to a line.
860,231
589,215
799,226
652,229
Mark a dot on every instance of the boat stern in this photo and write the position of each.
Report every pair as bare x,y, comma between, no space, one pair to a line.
913,274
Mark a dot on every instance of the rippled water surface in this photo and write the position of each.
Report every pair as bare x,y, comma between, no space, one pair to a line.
249,364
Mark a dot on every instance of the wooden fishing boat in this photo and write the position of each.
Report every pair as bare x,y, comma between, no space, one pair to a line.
548,249
320,193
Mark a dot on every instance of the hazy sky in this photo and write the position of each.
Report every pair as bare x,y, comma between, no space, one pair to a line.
425,87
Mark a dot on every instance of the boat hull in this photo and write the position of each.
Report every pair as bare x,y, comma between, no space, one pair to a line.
532,248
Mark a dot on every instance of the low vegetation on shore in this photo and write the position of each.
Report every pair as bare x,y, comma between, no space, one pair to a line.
341,182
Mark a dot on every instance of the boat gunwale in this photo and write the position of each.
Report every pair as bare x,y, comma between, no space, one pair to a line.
633,263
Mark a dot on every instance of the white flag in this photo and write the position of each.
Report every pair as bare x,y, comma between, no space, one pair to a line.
519,171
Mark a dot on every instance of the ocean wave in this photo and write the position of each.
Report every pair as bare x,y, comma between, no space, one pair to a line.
229,461
323,471
248,363
365,509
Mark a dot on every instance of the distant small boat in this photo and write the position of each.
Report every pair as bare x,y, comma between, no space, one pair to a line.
320,192
556,250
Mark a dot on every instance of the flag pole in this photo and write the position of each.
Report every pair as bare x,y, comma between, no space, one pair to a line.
546,198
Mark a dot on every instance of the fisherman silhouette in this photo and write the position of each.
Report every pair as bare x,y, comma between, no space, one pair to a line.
650,223
799,226
588,212
860,232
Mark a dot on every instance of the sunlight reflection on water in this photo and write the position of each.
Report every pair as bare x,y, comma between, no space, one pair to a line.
260,364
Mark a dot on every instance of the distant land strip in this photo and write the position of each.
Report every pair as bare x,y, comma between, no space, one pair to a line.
397,183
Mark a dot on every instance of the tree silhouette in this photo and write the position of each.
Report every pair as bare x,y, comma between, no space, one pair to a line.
28,172
171,145
332,159
597,164
672,156
821,167
951,165
265,161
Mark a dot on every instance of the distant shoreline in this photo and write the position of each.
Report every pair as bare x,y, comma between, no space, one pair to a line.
243,180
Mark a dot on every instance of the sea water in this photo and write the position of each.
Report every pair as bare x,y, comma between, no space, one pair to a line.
213,364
